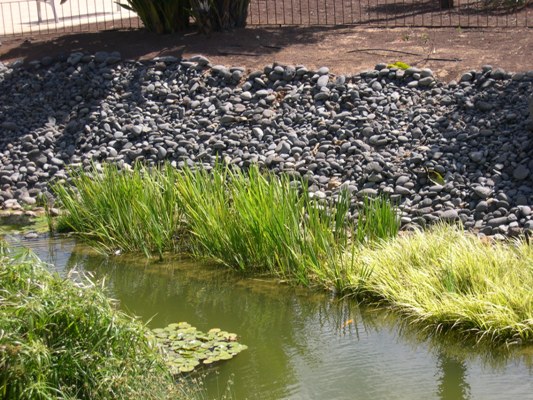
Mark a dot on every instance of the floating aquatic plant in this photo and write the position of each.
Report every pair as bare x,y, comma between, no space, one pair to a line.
186,348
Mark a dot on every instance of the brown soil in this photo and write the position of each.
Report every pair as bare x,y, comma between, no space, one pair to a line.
345,50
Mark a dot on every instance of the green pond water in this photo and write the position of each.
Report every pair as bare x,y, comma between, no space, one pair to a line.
301,344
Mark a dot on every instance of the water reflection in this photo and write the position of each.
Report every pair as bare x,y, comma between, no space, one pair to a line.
452,380
302,344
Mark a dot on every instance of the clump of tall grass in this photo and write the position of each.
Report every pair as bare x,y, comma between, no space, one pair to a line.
445,279
255,221
129,210
60,339
377,219
249,220
261,222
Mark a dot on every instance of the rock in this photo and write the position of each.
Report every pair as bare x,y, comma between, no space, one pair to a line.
377,86
283,148
75,58
10,126
467,77
427,81
200,60
101,56
482,192
525,211
221,71
476,156
12,204
28,200
494,222
426,72
484,106
258,133
449,215
381,131
322,81
521,172
402,190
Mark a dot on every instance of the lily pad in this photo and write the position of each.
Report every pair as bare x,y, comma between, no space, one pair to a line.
225,356
185,348
186,368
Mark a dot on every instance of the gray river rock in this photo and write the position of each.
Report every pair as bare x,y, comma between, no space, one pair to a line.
380,131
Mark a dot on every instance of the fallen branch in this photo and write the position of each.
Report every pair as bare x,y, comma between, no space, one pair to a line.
235,53
388,50
444,59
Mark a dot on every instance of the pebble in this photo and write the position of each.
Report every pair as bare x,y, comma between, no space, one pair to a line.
482,191
322,81
449,215
521,172
380,131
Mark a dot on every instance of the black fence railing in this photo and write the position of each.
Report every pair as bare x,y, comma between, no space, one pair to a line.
394,13
34,17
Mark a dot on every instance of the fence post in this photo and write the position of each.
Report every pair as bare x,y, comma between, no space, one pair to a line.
446,4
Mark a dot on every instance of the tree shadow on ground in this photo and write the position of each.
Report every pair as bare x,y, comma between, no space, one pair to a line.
140,44
48,101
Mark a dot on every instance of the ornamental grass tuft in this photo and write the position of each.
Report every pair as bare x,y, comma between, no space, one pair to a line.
444,278
65,340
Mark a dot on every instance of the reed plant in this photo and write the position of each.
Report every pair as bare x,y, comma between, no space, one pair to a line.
255,221
377,219
66,340
258,222
249,220
444,278
120,209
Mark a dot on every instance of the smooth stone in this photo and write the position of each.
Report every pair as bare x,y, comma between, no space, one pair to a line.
449,215
476,156
494,222
521,172
482,191
322,81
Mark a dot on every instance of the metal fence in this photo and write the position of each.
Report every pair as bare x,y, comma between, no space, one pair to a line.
34,17
393,13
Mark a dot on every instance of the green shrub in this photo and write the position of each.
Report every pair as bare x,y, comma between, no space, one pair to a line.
66,340
169,16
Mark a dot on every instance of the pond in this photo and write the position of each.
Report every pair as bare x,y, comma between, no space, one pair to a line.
301,344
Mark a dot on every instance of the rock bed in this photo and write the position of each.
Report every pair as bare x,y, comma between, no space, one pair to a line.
386,130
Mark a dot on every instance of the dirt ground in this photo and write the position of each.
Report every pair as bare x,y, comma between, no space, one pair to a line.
345,50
